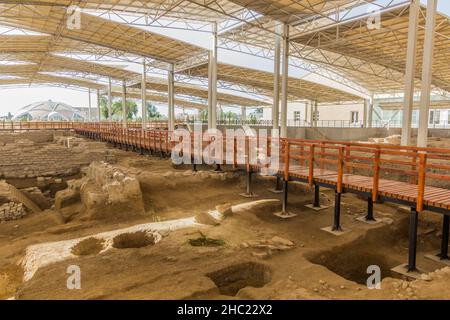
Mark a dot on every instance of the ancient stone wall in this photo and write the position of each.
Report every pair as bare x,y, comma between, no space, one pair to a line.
31,155
12,211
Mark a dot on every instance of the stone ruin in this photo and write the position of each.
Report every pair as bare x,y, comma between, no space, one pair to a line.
394,140
105,192
14,205
12,211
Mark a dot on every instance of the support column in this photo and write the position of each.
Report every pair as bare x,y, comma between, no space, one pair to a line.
109,100
243,114
90,105
311,114
212,82
124,104
144,94
366,107
337,213
306,112
316,112
408,100
284,82
427,72
414,219
276,84
444,243
99,111
370,111
171,94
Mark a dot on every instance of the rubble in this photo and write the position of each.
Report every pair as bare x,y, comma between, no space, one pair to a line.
12,211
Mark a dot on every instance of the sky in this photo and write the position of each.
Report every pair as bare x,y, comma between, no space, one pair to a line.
12,99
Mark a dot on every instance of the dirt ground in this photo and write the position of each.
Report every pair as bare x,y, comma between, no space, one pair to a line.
241,265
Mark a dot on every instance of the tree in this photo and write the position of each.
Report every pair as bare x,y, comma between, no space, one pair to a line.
116,108
152,112
256,115
203,115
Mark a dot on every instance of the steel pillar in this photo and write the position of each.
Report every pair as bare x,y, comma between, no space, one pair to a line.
284,82
99,111
109,99
365,112
212,81
276,84
413,223
316,203
427,73
337,212
370,112
171,97
144,94
408,100
243,114
445,233
124,104
90,105
369,216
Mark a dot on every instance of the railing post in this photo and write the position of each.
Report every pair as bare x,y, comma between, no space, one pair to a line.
340,170
421,182
312,148
286,160
376,175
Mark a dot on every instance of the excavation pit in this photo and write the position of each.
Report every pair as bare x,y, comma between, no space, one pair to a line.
138,239
352,262
89,246
236,277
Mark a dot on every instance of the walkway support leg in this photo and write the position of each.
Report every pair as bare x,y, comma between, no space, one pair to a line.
444,243
413,222
278,186
248,193
337,212
316,203
316,196
284,203
369,216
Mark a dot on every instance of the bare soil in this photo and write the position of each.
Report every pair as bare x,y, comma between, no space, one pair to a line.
318,266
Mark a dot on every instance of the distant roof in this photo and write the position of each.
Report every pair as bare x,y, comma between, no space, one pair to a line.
48,111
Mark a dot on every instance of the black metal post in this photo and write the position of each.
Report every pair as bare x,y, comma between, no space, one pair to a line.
369,216
337,212
278,186
249,183
285,196
413,222
444,244
218,168
194,167
316,196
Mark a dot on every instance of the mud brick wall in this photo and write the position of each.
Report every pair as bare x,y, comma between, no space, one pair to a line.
12,211
34,136
27,159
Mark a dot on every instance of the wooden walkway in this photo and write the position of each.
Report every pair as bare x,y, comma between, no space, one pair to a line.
416,177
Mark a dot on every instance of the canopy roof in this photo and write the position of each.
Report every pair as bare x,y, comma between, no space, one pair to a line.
53,63
398,105
263,81
42,78
374,58
160,85
157,97
52,20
